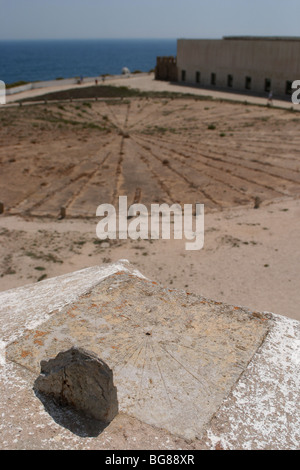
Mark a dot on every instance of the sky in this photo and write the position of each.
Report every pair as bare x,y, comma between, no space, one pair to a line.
85,19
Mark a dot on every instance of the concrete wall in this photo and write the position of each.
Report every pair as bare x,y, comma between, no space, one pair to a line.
44,84
58,83
260,59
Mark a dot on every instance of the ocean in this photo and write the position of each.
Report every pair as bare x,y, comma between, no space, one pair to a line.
51,59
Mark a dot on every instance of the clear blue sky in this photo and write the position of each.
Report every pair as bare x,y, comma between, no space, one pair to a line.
47,19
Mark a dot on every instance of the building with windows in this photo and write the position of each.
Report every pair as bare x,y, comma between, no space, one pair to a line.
257,64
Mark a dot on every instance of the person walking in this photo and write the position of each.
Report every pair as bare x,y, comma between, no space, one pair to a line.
270,97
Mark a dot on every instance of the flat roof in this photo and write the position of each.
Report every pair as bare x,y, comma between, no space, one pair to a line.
263,38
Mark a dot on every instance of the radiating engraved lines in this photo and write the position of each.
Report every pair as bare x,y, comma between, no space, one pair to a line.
144,157
154,110
230,167
248,164
211,173
181,175
91,177
218,149
141,385
40,195
161,150
139,362
131,348
186,369
118,173
161,376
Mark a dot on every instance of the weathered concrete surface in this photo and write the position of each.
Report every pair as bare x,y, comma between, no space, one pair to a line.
263,411
175,357
28,306
184,366
79,379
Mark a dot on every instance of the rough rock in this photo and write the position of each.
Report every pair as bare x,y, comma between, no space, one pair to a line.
78,378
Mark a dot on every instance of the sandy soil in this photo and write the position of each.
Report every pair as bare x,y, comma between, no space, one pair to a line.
225,155
79,155
250,257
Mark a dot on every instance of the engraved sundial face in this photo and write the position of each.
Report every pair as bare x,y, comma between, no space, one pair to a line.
174,356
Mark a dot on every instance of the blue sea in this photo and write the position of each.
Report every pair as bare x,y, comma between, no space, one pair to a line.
51,59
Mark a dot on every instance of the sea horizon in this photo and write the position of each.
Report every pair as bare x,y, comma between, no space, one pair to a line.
86,39
48,59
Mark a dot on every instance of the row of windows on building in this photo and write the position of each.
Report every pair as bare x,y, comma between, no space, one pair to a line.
248,82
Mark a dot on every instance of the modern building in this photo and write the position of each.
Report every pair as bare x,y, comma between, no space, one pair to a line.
251,64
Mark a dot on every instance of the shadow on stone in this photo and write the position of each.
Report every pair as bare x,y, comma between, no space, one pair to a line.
75,421
77,390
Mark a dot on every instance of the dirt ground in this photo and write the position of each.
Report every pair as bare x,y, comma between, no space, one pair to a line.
231,157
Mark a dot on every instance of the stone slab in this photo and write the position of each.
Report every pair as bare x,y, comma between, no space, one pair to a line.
261,411
175,356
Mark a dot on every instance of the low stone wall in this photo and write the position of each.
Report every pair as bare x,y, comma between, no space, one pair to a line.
43,84
62,82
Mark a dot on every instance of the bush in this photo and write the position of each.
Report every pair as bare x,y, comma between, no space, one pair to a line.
13,85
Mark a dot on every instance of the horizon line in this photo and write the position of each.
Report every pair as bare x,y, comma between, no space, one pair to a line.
91,39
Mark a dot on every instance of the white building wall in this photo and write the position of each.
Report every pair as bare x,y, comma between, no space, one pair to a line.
260,59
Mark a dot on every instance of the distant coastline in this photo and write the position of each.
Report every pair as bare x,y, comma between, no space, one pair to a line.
18,87
34,60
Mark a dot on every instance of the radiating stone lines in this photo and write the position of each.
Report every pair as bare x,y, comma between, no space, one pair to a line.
153,150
